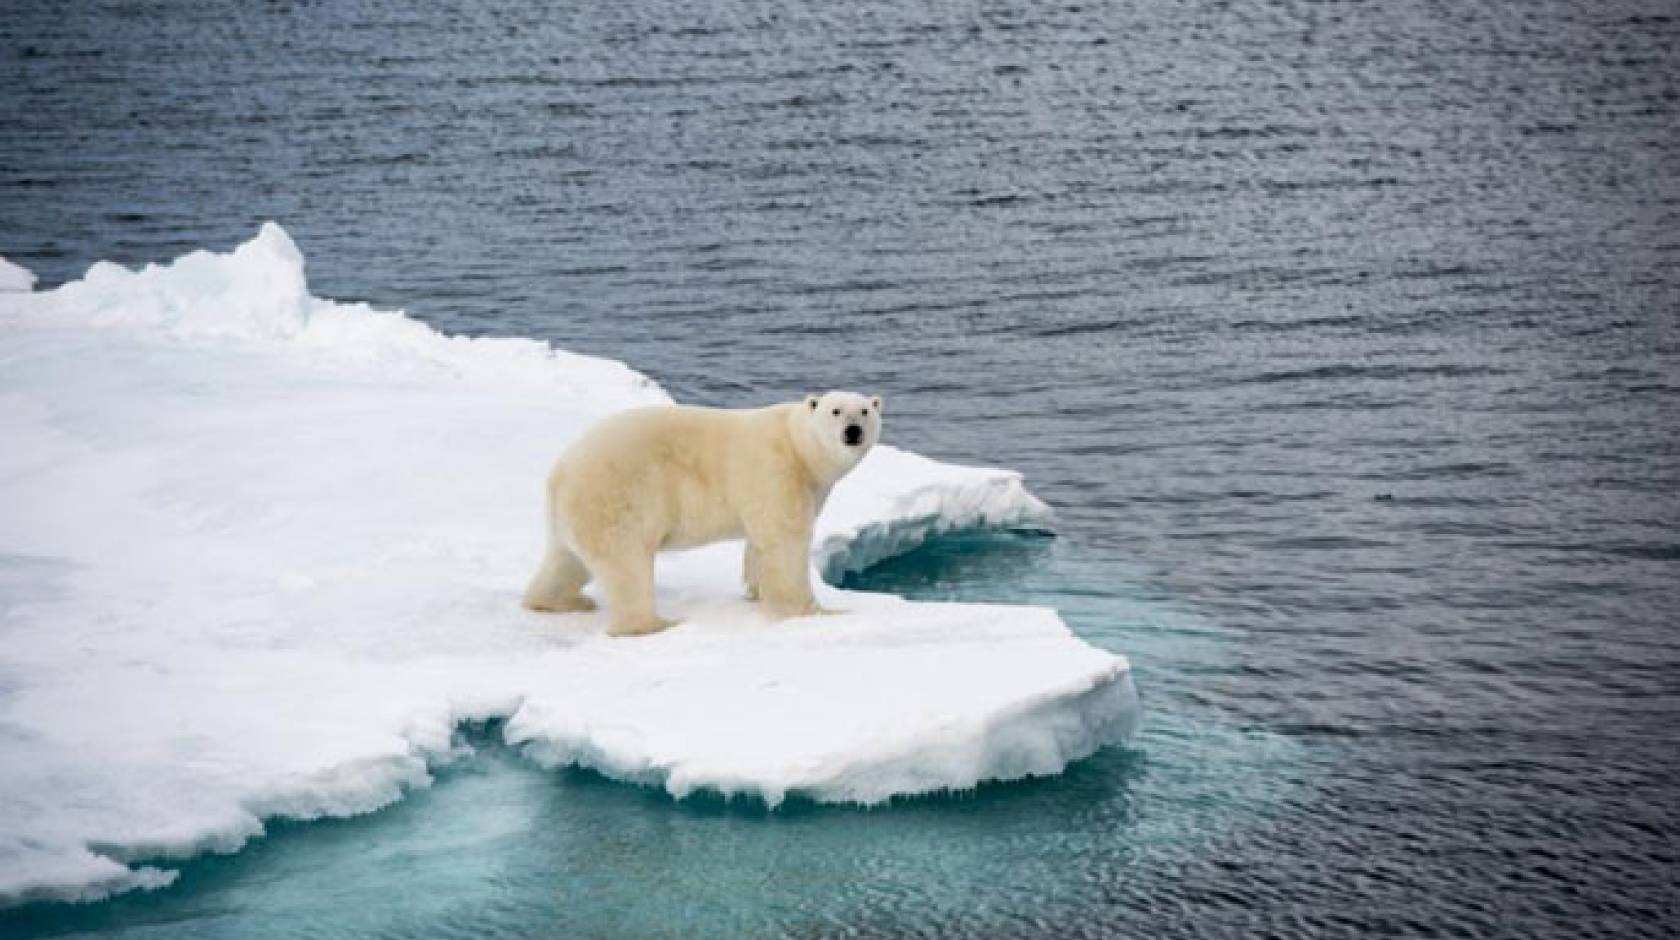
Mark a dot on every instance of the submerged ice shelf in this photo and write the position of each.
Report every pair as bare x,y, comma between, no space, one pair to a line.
261,554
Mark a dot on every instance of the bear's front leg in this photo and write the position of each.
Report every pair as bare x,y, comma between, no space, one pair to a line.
778,523
785,578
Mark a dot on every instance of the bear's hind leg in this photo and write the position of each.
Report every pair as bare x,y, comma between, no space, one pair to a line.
750,571
555,586
627,577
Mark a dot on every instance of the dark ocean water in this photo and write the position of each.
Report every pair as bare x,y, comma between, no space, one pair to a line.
1345,338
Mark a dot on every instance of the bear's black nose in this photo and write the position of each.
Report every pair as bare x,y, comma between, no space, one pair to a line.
854,434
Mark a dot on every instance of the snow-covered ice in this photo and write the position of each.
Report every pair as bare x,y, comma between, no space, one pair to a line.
15,278
261,555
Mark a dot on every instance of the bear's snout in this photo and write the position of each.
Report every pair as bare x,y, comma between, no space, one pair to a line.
854,434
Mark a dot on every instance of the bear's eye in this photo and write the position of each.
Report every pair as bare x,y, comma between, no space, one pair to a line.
866,412
836,411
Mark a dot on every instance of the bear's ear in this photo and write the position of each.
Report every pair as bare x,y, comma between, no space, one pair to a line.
811,402
876,401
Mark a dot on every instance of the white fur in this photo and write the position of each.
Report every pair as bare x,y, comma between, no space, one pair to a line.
679,477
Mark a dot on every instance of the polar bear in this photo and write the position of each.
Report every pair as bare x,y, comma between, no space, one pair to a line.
673,476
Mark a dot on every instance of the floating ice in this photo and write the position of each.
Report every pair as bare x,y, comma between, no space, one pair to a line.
261,554
15,278
896,500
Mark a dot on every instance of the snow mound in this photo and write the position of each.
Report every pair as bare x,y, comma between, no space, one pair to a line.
261,555
257,296
15,278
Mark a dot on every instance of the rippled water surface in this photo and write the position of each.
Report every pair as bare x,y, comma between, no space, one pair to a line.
1345,337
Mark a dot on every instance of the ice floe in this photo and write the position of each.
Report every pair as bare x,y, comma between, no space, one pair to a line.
261,555
14,277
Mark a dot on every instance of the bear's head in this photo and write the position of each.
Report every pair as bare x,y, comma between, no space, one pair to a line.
842,426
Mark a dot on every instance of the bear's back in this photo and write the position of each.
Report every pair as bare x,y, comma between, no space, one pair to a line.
688,437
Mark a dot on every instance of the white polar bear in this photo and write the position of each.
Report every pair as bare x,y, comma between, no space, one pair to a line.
678,477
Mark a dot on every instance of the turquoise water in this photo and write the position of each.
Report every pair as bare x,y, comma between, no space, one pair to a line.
497,847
